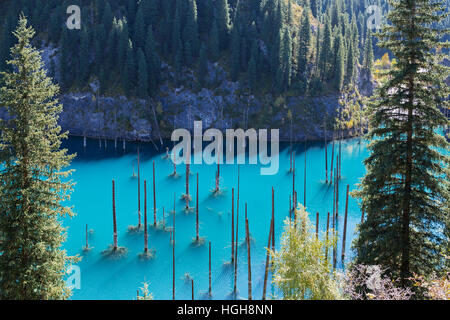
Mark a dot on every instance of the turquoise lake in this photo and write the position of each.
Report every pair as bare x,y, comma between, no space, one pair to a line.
105,278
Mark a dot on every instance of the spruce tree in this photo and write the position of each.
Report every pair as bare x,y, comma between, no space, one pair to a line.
178,64
339,68
326,52
202,64
304,44
190,32
84,56
142,75
368,52
314,8
235,53
131,11
350,68
129,78
153,61
107,18
253,66
405,192
139,29
252,73
214,42
123,37
33,183
223,22
177,46
284,72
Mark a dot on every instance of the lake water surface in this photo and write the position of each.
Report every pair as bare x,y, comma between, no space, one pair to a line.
104,278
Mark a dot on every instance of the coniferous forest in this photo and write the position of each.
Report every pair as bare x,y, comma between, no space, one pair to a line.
356,90
310,51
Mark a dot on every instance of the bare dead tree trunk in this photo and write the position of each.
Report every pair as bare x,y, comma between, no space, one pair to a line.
114,215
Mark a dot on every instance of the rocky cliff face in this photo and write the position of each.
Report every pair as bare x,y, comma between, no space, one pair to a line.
220,103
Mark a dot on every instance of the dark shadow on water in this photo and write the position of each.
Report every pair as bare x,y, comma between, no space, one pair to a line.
147,150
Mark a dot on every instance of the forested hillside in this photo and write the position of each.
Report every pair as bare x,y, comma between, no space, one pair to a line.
270,45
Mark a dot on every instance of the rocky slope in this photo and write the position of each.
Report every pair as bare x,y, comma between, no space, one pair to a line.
220,103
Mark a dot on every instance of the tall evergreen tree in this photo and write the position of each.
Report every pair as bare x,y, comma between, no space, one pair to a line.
84,56
190,32
253,65
107,18
252,73
153,62
151,10
129,78
314,8
326,52
351,63
304,44
203,64
223,22
139,29
214,42
123,37
33,183
235,53
339,67
177,46
368,52
317,51
405,192
142,75
284,72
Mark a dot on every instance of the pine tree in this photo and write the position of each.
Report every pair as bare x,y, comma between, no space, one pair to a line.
177,47
190,32
129,79
223,22
405,191
131,11
150,9
314,8
368,52
253,66
84,57
252,73
214,42
304,44
107,18
235,53
202,64
289,17
33,183
326,52
142,75
350,68
139,29
153,62
339,68
318,53
64,62
284,72
123,37
178,64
